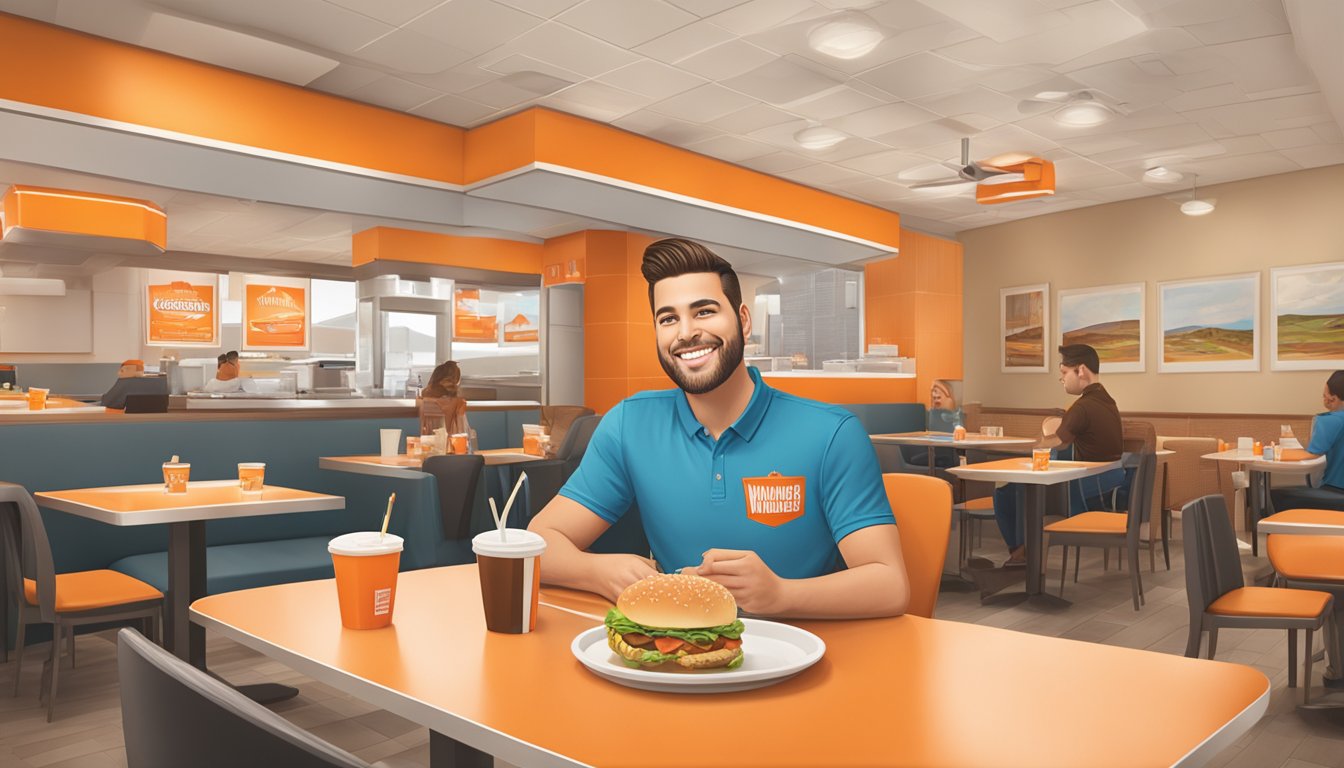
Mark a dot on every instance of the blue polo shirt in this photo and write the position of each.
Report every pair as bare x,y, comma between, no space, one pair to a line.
1327,439
651,450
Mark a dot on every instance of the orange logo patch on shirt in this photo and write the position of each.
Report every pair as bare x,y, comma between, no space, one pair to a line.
774,500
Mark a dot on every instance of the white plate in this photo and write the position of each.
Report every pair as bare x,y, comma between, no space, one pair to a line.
773,652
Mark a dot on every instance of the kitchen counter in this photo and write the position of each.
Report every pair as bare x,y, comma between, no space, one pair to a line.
843,387
233,408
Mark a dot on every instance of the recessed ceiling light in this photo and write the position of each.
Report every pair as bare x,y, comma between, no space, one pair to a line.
818,137
1083,114
1162,175
1196,207
847,36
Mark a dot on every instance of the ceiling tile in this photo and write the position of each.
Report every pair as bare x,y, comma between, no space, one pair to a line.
394,93
626,23
475,26
781,81
836,102
1266,114
1263,64
455,110
344,79
906,14
731,148
1127,82
926,134
597,101
703,104
412,53
1216,170
778,162
885,163
847,150
687,41
310,21
1292,137
705,7
1265,19
575,51
542,8
1215,96
883,120
1329,132
726,60
665,128
973,99
394,12
1158,42
1090,26
922,74
1314,157
760,15
752,118
651,78
517,63
500,95
822,173
1002,20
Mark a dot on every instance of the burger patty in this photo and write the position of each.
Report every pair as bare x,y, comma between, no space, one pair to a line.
712,659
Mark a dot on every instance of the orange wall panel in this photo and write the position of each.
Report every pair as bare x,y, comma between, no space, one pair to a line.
393,244
82,213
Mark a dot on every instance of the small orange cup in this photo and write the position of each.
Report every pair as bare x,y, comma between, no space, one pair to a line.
1040,459
460,443
175,476
251,476
37,398
366,565
532,445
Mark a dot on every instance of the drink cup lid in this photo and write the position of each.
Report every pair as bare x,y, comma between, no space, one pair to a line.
177,464
518,542
364,544
252,464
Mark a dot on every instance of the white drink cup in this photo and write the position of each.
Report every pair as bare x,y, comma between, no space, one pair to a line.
390,442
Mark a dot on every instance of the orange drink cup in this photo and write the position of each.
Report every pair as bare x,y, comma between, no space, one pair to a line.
1040,459
460,443
532,439
959,433
251,476
429,445
175,476
37,398
412,446
366,565
509,560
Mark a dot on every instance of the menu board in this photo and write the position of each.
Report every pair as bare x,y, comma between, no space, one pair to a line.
473,320
181,309
523,313
276,313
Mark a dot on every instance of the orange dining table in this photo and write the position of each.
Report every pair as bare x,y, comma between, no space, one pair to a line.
186,515
901,691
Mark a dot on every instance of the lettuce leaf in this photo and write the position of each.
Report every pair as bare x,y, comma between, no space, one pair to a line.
699,635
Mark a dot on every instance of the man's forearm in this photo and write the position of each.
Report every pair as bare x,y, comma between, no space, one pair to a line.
565,565
866,591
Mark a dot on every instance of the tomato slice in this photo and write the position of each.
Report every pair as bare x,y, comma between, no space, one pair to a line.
667,644
731,644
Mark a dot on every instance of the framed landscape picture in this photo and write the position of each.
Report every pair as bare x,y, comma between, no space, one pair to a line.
1210,324
1306,313
1024,319
1110,319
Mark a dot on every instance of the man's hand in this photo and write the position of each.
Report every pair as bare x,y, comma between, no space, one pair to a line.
613,573
756,588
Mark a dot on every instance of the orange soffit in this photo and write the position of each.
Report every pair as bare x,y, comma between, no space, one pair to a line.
1038,180
32,211
392,244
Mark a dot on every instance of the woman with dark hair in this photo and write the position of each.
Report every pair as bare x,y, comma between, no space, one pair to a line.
440,405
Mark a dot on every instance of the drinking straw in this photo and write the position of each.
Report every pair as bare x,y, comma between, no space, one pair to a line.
174,461
508,505
494,512
387,516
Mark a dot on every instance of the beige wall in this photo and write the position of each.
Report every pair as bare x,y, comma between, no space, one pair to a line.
1285,220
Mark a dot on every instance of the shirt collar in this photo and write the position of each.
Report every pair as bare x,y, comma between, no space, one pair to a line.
746,424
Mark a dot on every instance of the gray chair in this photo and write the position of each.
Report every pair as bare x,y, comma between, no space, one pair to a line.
66,600
456,478
1218,597
1110,529
173,714
545,478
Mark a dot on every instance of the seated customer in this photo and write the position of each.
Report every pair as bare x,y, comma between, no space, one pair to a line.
1327,439
126,375
944,416
440,404
1091,426
226,375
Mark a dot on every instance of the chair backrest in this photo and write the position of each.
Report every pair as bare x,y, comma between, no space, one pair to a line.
923,509
173,714
1144,464
8,375
1136,436
1050,425
1199,578
556,420
890,458
147,403
456,477
577,436
447,412
1223,553
27,551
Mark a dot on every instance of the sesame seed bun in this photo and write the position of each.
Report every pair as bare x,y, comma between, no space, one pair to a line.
674,601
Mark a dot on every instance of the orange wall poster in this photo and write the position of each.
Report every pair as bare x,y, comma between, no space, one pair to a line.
520,313
473,319
276,312
181,309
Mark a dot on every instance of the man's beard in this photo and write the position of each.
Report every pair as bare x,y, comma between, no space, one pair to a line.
729,353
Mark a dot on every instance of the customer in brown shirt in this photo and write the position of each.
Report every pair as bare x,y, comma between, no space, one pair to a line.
1091,427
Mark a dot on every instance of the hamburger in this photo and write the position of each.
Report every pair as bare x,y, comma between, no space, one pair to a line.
690,621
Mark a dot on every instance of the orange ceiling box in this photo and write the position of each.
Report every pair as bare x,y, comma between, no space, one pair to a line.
71,219
1038,180
409,245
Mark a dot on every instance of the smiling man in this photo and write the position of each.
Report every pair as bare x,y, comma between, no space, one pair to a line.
777,498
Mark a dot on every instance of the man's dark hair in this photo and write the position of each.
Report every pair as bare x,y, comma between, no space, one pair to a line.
1074,355
674,256
1336,384
232,355
222,359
